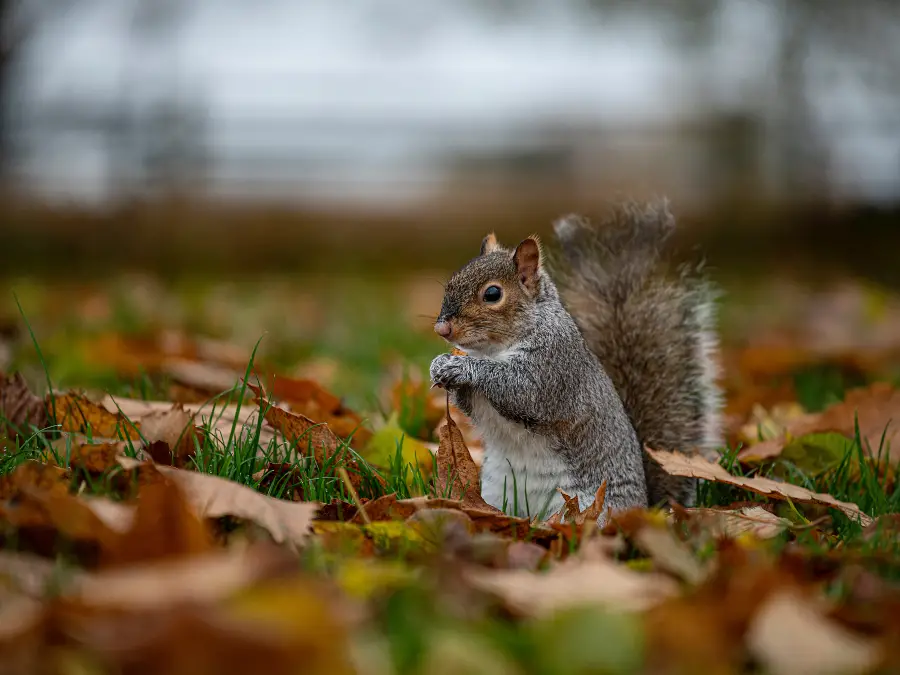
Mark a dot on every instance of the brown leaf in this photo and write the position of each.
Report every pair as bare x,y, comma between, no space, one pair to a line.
165,526
732,523
389,507
75,413
678,464
96,457
571,511
300,429
31,474
40,509
214,497
200,578
791,636
310,399
19,408
457,475
573,583
877,407
211,614
174,429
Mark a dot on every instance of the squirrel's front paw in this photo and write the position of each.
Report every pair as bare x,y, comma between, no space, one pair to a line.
448,371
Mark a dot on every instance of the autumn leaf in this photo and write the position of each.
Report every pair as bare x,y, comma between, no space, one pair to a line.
382,448
172,438
77,414
158,584
40,509
790,635
95,458
214,497
457,475
878,411
301,430
312,400
732,523
164,526
296,428
693,466
572,513
19,408
574,583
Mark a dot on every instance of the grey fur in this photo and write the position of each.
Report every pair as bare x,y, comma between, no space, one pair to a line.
651,327
533,381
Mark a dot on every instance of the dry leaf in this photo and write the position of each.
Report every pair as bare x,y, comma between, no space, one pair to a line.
572,513
310,399
877,407
32,474
732,523
199,578
164,526
457,475
75,413
300,429
40,509
174,430
677,464
95,457
214,497
19,408
574,583
789,635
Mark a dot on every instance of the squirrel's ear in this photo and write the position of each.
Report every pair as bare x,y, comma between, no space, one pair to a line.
528,262
489,244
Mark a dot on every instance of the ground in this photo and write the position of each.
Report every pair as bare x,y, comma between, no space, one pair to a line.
247,468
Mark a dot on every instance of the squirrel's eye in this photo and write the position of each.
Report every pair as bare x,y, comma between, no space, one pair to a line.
492,294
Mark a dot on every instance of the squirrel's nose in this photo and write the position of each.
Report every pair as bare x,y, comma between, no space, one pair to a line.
443,328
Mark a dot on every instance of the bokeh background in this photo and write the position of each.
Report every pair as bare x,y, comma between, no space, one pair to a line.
310,171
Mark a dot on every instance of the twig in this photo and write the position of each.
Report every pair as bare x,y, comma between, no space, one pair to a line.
359,506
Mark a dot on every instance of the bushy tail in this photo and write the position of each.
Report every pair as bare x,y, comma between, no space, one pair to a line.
652,328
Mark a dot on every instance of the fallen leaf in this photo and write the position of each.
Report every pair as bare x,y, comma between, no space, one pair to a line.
878,411
381,449
790,635
164,526
670,554
299,429
573,583
753,520
572,513
199,578
310,399
678,464
95,458
19,408
214,497
457,475
75,413
768,424
30,474
174,430
40,510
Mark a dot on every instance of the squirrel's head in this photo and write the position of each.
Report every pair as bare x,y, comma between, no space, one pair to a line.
487,302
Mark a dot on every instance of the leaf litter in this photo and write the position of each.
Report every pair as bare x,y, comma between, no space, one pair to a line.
127,525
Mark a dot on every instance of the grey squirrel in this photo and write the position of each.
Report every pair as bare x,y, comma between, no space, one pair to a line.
567,384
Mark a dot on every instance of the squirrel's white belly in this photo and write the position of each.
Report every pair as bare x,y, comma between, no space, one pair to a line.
520,473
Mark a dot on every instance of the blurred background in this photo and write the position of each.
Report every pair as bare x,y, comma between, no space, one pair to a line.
232,142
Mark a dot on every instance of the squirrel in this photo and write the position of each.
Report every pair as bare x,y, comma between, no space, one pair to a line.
566,384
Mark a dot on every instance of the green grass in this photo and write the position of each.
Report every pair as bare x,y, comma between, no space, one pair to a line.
417,619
